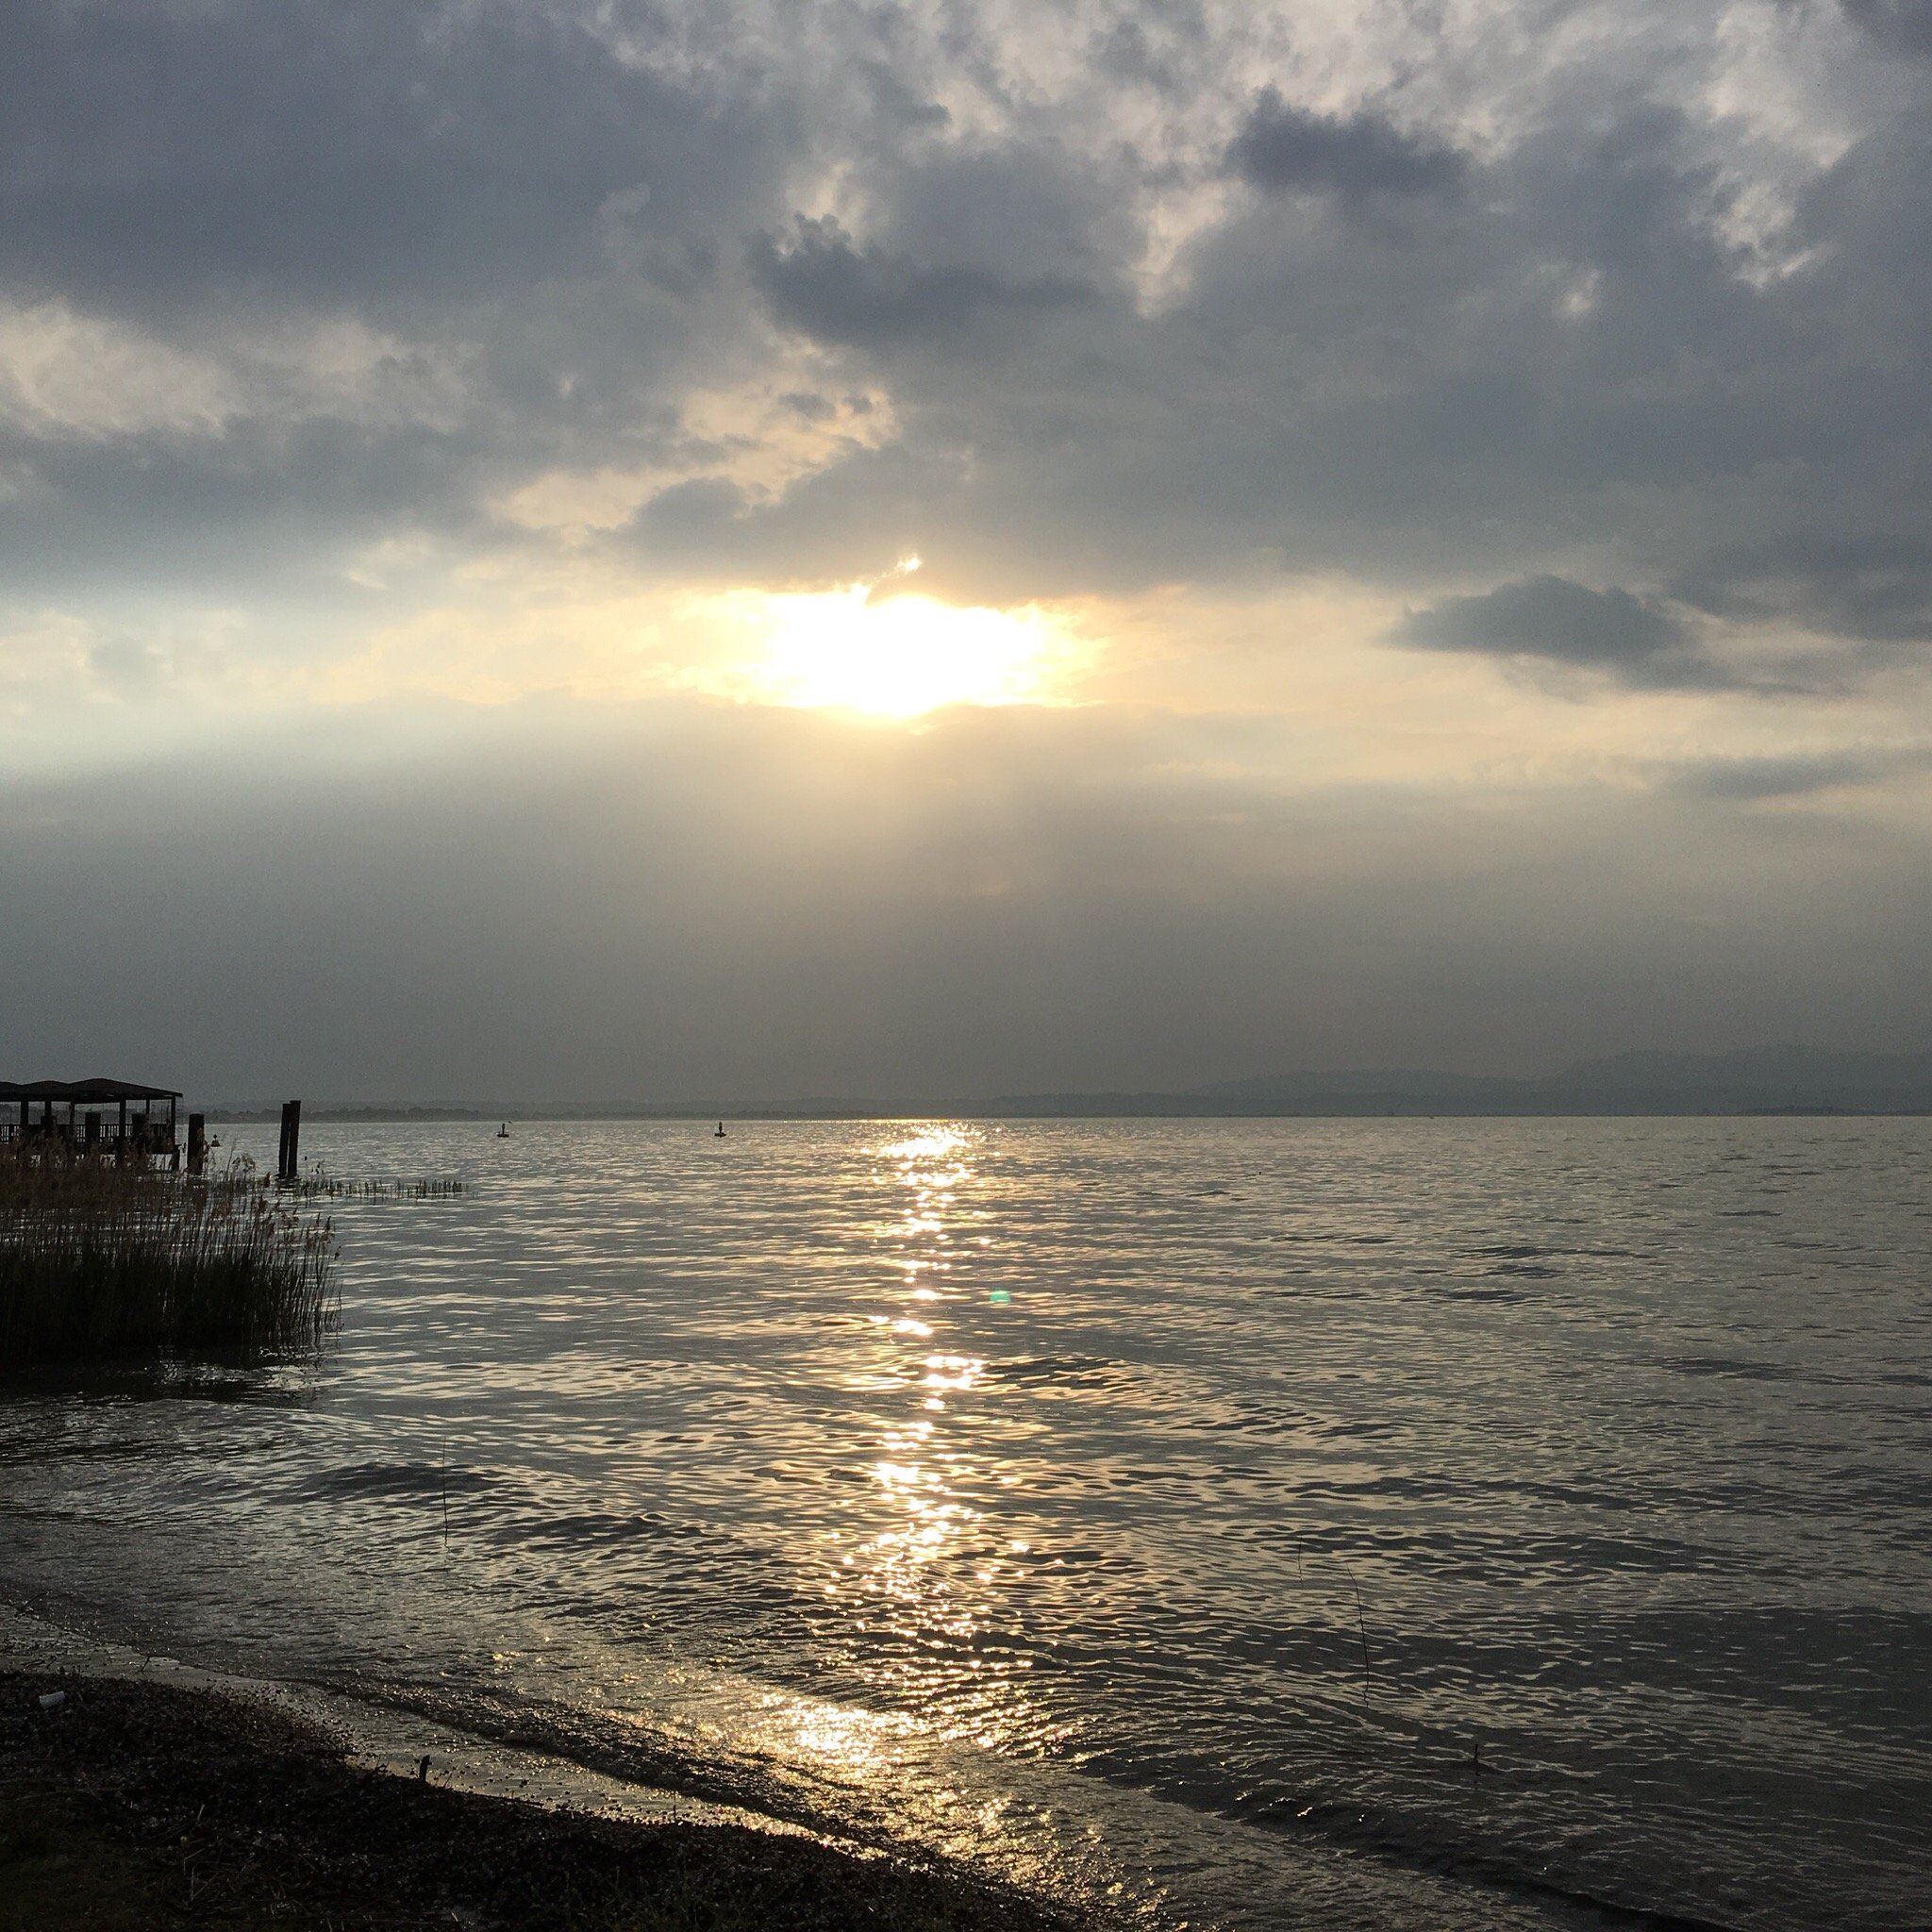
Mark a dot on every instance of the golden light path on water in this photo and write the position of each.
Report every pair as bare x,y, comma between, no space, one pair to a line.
901,1568
898,1570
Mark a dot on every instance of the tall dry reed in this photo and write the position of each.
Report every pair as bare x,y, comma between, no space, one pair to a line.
97,1260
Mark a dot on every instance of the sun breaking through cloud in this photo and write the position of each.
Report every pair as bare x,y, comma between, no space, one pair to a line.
1502,423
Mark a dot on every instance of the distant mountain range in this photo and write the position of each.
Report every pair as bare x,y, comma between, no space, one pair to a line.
1758,1080
1778,1079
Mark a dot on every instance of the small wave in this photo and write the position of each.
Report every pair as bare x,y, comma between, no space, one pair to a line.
1725,1365
406,1479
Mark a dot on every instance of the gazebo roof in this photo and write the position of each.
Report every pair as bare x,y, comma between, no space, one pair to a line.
84,1093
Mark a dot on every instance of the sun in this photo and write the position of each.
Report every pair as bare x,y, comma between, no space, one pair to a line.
899,654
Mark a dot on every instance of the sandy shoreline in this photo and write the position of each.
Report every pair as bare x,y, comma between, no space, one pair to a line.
175,1797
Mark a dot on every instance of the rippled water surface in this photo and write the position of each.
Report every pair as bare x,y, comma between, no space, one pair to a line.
1388,1522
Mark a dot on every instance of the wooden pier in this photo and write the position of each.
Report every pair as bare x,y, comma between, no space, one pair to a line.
71,1117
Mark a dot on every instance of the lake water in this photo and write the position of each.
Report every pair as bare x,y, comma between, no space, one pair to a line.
1367,1522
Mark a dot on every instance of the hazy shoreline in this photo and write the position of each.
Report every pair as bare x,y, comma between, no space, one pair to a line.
1633,1086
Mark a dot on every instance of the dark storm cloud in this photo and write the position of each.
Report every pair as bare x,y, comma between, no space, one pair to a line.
1902,27
249,509
1288,149
1589,326
1576,353
819,283
1874,588
535,208
1633,639
337,150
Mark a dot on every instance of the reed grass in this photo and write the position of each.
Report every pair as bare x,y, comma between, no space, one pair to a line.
319,1182
99,1260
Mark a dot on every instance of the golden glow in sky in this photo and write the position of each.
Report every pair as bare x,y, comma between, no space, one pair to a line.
896,655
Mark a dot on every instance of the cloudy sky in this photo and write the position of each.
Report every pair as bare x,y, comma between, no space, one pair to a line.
635,549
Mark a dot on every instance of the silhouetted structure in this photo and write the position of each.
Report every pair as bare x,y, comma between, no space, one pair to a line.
69,1114
289,1160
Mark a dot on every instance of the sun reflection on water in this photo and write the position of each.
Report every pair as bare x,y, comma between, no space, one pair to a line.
857,1744
919,1568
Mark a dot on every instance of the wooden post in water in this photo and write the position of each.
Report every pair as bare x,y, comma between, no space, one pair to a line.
197,1142
292,1136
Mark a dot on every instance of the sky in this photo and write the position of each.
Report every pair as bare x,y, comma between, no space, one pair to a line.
633,550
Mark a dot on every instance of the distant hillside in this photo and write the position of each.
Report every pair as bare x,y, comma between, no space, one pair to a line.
1781,1079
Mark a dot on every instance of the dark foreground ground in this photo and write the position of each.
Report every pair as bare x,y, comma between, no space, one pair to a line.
138,1806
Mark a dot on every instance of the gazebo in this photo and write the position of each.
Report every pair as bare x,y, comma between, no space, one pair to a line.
87,1099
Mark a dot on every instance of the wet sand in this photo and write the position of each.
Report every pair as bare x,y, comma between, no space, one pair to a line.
136,1804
